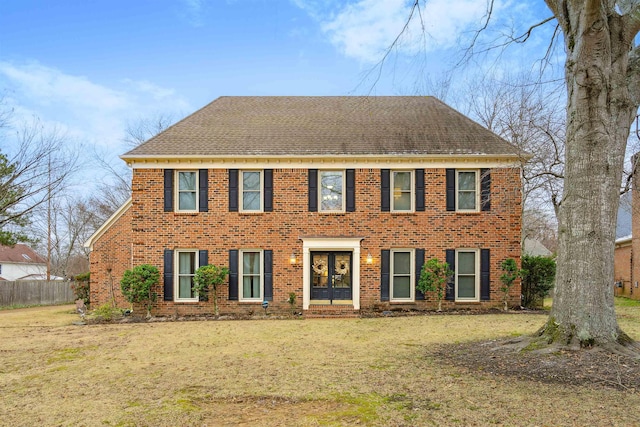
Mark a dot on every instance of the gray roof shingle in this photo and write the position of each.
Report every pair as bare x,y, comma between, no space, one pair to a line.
323,125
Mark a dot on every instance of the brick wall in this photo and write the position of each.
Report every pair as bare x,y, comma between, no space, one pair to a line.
152,230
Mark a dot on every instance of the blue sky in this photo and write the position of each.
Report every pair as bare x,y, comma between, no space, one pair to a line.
89,67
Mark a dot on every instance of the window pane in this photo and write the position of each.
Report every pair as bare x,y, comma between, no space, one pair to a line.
187,201
251,263
251,287
466,263
185,284
466,287
186,262
402,181
187,181
331,191
402,202
467,200
402,287
251,201
401,263
251,181
467,181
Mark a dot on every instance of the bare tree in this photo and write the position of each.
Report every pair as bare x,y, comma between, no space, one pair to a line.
602,81
37,169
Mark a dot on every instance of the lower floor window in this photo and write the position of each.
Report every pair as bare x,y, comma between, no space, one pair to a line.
187,261
402,275
467,277
251,273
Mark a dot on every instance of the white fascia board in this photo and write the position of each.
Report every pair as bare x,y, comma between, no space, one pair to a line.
107,224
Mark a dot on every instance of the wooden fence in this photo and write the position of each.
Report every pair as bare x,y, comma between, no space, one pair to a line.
35,292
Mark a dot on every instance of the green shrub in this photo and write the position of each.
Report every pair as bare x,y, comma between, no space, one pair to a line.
137,285
207,279
538,277
107,312
434,277
508,278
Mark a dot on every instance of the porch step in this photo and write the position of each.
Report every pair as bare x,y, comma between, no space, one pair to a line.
330,311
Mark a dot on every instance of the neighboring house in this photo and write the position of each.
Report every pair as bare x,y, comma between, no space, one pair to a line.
20,262
534,247
627,247
339,200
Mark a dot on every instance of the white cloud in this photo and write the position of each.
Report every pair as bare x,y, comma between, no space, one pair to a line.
89,112
365,29
193,12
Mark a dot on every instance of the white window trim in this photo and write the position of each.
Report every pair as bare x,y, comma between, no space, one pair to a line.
344,190
477,204
176,197
241,275
412,278
477,275
241,201
176,276
413,191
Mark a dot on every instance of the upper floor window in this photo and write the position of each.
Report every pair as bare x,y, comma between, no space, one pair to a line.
251,194
331,192
402,190
187,189
187,264
402,275
251,274
467,194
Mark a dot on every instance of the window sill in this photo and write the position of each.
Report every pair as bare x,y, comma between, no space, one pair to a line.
250,213
176,213
468,212
461,302
410,213
187,301
402,302
250,302
332,213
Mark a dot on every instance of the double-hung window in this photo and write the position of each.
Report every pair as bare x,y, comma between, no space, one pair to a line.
467,275
402,191
187,190
251,275
186,266
251,199
467,194
331,194
402,275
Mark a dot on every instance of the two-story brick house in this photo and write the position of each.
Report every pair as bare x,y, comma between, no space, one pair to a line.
339,200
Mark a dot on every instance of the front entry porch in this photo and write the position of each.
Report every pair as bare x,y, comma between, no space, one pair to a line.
331,275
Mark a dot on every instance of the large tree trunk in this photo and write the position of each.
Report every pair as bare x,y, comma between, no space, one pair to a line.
600,111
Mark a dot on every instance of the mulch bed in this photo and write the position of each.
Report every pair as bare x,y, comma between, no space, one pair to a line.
592,367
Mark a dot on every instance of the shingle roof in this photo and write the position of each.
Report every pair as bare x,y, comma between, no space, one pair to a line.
320,126
20,253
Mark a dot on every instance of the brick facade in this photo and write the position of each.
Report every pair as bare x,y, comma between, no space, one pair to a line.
142,233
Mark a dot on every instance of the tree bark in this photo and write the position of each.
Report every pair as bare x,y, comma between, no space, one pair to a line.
600,110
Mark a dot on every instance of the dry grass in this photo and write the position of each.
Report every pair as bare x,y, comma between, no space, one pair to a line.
376,371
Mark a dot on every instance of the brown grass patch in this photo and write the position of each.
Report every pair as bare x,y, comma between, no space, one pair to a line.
378,371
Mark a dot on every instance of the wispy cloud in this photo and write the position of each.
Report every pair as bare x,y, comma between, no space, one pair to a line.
193,12
365,29
88,111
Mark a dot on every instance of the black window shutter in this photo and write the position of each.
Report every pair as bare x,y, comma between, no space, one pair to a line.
203,183
485,277
485,190
233,274
268,190
451,189
419,264
203,259
351,190
385,190
268,275
385,258
313,190
168,275
419,190
233,190
168,190
450,258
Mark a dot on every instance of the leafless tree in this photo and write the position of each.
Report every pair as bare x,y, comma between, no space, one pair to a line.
602,82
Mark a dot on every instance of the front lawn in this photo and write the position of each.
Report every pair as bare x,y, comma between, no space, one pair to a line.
378,371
